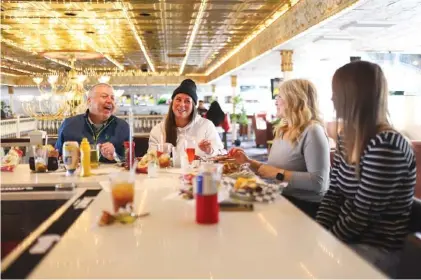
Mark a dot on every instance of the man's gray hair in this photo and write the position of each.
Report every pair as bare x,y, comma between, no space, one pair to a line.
92,89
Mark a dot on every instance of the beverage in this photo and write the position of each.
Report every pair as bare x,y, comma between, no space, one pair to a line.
85,158
128,152
164,160
40,158
163,152
152,169
190,154
94,156
70,156
122,192
122,195
206,192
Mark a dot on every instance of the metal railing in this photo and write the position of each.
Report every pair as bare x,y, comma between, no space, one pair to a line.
16,128
144,123
20,126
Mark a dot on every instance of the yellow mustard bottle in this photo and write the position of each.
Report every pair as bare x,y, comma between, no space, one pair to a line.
85,158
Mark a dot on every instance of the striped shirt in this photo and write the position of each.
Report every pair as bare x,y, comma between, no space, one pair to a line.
374,210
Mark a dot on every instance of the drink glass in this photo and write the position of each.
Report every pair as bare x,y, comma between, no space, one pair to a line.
163,153
122,192
40,157
95,156
190,148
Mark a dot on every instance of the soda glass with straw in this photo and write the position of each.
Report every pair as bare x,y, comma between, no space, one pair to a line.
122,184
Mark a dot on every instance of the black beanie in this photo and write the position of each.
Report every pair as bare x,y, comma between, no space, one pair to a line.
187,87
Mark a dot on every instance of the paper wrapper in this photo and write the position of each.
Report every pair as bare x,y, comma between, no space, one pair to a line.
11,160
264,192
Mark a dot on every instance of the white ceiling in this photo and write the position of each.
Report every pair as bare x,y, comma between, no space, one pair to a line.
404,36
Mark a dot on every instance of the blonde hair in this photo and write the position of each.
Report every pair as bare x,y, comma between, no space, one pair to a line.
301,108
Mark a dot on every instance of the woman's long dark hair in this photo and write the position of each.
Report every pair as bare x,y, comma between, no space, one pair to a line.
171,127
215,113
360,98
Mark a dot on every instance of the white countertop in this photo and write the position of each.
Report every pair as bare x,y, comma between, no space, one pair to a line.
274,241
22,175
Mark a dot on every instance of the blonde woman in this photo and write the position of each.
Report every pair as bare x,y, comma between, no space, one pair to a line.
300,150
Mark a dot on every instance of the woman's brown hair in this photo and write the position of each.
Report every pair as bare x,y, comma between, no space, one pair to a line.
360,100
301,109
171,127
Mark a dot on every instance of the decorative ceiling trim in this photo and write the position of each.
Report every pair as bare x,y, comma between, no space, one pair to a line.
25,81
81,37
5,57
193,34
13,44
136,35
282,10
304,15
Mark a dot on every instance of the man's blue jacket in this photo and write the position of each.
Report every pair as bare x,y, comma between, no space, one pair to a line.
115,131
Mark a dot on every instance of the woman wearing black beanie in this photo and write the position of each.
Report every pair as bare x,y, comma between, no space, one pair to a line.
183,119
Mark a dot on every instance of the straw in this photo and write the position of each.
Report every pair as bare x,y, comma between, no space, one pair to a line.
132,168
131,140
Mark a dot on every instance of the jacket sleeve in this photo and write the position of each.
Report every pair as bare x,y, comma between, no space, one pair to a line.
60,137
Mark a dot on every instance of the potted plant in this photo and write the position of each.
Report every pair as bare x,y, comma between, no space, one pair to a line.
243,121
235,118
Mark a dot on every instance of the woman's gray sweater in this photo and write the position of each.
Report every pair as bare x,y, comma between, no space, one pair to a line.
308,160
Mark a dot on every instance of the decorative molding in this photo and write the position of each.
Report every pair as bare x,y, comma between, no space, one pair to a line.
305,14
25,81
233,81
286,60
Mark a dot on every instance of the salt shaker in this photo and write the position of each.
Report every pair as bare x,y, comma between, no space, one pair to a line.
152,169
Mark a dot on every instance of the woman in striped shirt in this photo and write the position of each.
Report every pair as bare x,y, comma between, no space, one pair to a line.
372,180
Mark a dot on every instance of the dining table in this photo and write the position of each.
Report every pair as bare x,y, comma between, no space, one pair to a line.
275,240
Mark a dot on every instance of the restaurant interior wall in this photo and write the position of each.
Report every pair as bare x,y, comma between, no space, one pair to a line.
404,110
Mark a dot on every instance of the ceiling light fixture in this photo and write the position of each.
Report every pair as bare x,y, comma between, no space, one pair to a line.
262,27
193,33
367,24
136,35
67,99
104,79
70,14
58,61
10,74
162,8
19,70
4,57
333,38
13,44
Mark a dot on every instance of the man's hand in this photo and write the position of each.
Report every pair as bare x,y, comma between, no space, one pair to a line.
107,150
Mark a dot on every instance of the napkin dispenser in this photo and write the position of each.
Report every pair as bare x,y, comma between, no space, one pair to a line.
36,138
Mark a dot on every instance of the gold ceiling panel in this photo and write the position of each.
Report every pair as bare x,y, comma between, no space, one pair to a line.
164,27
188,37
